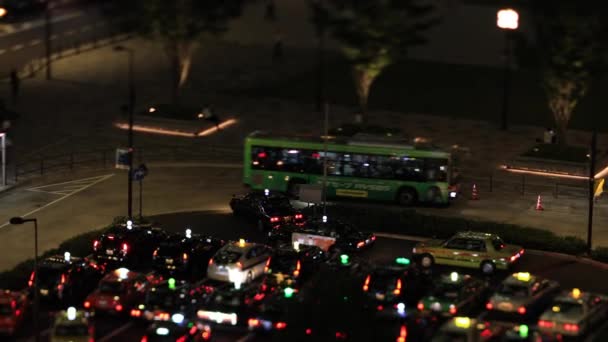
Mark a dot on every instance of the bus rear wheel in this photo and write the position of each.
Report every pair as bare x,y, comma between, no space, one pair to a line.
406,197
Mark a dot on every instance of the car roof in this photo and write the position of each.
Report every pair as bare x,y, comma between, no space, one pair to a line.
59,262
518,279
117,276
243,247
475,235
569,297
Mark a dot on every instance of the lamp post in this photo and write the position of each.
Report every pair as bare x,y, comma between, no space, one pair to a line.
21,220
3,148
131,110
47,38
508,20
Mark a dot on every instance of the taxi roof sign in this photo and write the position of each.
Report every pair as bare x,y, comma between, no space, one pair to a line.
242,242
454,276
556,308
462,322
523,331
576,293
402,261
122,273
522,276
71,313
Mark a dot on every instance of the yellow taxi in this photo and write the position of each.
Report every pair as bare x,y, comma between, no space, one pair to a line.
71,326
465,329
573,313
483,251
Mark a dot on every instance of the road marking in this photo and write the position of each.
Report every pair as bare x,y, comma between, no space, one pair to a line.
17,47
35,42
100,179
64,188
116,332
245,338
2,51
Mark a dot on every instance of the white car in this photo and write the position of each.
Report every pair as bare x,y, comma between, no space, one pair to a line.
239,262
574,313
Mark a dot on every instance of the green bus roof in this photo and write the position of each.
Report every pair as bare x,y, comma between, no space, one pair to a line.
369,144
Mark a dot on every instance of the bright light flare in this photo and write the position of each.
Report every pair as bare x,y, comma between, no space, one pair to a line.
214,129
507,19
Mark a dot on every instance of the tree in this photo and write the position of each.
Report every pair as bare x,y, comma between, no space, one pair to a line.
373,34
179,25
569,44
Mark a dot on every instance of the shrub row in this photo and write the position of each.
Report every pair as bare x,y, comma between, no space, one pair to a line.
412,222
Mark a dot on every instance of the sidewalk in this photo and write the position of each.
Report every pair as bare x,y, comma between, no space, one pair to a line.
78,108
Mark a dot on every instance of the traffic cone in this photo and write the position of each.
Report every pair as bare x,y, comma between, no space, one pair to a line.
539,203
474,193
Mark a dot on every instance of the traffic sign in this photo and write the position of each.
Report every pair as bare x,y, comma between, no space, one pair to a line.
122,158
140,172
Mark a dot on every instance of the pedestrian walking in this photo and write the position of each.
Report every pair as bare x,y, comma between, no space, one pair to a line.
14,85
277,50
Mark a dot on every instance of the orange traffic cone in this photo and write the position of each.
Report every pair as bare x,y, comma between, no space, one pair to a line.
474,193
539,203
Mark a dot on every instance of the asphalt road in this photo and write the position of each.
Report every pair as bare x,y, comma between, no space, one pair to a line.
24,40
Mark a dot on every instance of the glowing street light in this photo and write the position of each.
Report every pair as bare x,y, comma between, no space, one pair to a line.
507,19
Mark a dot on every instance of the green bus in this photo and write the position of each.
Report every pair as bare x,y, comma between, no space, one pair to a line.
361,166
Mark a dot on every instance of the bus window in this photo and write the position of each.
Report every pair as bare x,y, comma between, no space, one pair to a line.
436,170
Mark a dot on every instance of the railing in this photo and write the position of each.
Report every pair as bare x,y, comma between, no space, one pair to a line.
105,157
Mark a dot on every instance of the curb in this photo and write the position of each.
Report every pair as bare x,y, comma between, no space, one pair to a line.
569,257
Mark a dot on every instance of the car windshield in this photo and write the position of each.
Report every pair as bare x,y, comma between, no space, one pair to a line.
164,298
71,330
276,204
383,281
568,308
111,287
513,290
446,290
227,256
283,263
498,243
5,309
49,276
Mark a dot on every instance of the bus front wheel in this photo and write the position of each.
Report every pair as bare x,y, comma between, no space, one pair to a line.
406,197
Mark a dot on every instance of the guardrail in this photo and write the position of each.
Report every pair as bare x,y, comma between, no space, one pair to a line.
105,157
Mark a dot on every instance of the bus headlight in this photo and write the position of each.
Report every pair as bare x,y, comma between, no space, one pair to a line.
452,194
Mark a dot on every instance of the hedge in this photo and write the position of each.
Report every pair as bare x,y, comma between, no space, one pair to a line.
412,222
79,245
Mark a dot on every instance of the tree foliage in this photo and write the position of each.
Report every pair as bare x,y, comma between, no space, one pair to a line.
569,39
179,25
373,34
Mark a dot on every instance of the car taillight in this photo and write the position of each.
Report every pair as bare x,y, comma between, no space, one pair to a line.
299,216
87,304
521,310
380,308
360,244
340,335
366,284
30,283
398,288
308,331
95,244
185,256
63,278
144,339
155,254
118,307
489,306
280,325
373,237
125,248
453,309
135,313
274,219
253,322
545,324
206,335
267,267
181,339
211,261
571,327
297,270
420,306
402,334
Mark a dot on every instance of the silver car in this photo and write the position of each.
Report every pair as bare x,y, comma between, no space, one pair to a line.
239,262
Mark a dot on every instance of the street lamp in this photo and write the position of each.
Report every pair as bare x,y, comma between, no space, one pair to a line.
508,20
21,220
131,109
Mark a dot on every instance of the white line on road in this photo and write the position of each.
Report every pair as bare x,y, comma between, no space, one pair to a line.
116,332
35,42
61,198
82,180
17,47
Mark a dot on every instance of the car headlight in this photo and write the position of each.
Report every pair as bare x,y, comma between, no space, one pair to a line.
414,250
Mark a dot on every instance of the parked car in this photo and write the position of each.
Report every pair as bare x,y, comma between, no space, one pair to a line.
268,210
128,245
14,307
239,262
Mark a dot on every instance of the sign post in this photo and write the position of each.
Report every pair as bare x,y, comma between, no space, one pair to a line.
3,148
139,174
122,158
